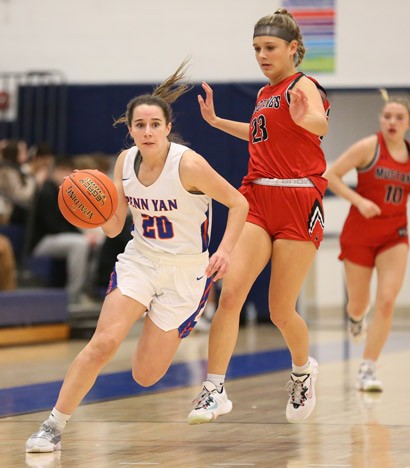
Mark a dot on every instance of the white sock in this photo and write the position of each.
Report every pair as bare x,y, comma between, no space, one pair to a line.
370,363
218,380
58,420
300,370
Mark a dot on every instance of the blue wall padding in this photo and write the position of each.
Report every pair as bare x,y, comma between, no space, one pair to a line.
33,306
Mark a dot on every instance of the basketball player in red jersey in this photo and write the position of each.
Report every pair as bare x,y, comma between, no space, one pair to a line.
374,235
284,187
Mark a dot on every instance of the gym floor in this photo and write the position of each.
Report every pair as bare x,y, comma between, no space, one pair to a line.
122,424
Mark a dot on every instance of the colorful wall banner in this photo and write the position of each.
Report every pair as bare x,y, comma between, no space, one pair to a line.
317,19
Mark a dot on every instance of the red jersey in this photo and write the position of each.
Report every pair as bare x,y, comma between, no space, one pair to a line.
385,181
278,147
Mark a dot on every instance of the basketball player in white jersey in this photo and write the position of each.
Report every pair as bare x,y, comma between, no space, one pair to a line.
165,269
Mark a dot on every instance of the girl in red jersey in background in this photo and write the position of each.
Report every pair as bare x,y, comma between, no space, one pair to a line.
284,187
374,235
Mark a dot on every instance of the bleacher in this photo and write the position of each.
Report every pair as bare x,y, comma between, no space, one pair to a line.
38,310
30,315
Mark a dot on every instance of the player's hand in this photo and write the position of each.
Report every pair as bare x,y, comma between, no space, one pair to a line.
298,106
218,266
368,209
207,105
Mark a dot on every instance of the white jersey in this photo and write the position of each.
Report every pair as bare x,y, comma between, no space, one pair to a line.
167,218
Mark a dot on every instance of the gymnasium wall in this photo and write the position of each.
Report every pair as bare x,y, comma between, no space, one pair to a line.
128,41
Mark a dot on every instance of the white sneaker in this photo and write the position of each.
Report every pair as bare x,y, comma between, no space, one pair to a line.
44,460
209,404
366,379
302,398
46,439
357,329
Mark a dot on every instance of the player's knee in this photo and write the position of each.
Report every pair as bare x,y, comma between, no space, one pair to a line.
279,321
101,349
356,309
279,316
230,302
386,304
144,378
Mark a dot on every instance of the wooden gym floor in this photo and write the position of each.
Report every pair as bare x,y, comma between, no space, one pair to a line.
122,426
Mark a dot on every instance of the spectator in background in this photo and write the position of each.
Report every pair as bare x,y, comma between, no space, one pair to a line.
101,161
375,236
40,160
53,235
17,187
8,273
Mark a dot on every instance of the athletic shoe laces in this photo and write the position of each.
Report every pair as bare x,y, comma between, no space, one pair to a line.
204,399
367,373
297,390
356,328
48,433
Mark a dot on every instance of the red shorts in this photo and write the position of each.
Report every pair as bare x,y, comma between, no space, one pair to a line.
362,240
294,213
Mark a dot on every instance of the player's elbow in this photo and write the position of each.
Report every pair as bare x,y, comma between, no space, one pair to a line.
318,125
243,204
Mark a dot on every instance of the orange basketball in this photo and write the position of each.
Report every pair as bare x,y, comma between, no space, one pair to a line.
87,198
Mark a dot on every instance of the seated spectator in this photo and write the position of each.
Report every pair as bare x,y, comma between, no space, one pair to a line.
40,160
52,235
17,187
8,273
101,161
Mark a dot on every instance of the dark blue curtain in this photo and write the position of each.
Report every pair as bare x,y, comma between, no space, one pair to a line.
90,111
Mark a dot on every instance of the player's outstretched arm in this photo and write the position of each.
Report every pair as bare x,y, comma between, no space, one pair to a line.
237,129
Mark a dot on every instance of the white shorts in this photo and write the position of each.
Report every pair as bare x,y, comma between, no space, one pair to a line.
174,288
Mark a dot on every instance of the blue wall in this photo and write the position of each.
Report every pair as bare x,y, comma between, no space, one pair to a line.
92,110
83,123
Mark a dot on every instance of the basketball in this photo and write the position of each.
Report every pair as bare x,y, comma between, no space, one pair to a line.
87,198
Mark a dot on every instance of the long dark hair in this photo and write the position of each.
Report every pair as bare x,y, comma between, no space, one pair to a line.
162,96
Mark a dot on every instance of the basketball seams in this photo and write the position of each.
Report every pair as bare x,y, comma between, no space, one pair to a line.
106,189
89,204
84,192
79,220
